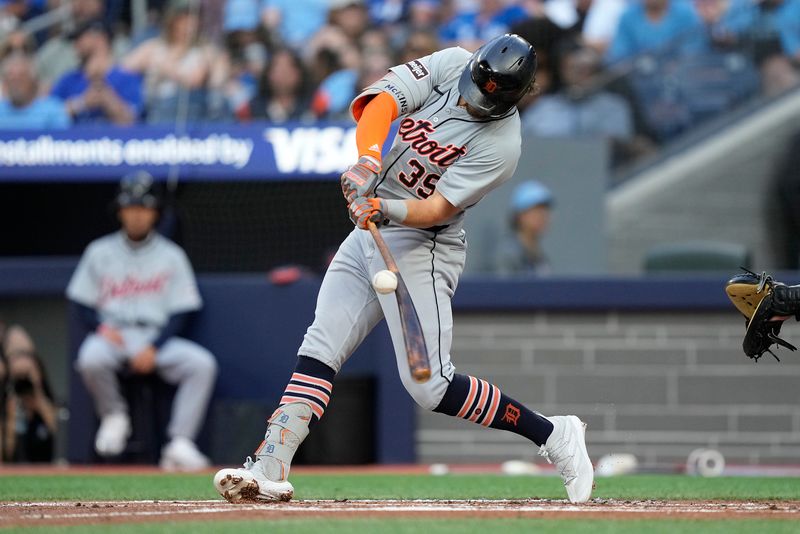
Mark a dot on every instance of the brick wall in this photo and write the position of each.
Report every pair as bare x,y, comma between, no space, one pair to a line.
654,384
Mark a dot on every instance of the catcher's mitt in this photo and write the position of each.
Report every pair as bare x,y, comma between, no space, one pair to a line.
765,304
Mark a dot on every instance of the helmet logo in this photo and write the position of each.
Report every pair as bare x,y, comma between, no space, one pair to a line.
490,87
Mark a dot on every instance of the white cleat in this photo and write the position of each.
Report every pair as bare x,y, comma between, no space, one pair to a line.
181,454
249,484
566,448
112,436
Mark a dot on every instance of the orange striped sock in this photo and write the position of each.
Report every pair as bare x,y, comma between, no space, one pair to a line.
311,383
481,402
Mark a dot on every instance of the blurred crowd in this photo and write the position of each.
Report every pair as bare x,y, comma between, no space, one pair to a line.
637,72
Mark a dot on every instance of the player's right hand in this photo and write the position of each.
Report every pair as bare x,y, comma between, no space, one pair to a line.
364,209
357,180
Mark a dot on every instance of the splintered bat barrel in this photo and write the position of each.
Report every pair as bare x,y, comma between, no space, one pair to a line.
416,351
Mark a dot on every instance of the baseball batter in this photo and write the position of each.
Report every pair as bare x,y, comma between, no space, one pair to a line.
135,289
458,139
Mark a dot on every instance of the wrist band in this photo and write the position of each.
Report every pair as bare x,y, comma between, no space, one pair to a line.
394,209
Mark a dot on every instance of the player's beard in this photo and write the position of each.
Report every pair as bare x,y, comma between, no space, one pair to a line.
471,110
476,113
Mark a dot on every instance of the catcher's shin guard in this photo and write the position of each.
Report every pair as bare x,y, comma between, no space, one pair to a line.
287,429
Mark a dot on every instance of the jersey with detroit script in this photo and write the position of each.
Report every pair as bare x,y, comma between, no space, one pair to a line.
439,146
139,284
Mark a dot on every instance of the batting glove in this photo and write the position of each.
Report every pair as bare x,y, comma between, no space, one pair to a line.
364,209
357,180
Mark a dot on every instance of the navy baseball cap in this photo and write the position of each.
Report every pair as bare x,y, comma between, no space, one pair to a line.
139,188
529,194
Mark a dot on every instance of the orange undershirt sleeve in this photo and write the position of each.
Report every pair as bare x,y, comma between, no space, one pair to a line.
374,121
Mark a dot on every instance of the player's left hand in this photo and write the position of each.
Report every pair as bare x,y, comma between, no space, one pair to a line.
364,209
144,362
357,180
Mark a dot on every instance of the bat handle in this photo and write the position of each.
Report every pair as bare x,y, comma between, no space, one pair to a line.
388,259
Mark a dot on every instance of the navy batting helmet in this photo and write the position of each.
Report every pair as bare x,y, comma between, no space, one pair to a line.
138,188
498,75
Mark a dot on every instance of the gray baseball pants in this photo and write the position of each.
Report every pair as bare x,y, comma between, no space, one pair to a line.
348,308
179,361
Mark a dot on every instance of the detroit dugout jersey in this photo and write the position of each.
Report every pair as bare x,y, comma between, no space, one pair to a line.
439,146
135,286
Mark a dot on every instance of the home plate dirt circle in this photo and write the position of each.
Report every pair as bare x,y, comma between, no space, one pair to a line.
74,512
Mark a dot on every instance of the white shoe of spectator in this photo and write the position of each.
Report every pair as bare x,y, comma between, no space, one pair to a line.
112,436
181,454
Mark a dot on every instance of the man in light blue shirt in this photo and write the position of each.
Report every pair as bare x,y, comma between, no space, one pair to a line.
21,109
654,26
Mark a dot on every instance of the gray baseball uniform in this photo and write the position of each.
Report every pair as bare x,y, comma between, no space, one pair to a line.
135,287
439,147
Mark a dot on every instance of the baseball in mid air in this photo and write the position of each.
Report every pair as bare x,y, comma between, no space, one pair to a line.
384,282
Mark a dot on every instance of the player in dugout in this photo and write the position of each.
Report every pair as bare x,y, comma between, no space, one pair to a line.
135,291
458,139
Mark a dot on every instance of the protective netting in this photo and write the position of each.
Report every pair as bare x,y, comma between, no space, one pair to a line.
256,226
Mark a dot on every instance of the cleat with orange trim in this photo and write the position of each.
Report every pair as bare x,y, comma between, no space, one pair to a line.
265,479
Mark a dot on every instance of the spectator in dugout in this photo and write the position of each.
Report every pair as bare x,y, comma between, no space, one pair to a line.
177,61
99,90
20,106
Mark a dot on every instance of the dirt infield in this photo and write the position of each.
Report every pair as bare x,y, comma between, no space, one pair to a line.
103,512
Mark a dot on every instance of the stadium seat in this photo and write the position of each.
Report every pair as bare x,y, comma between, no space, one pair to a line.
696,256
149,400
